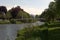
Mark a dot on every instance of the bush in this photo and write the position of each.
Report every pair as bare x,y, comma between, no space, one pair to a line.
32,33
12,21
54,34
43,32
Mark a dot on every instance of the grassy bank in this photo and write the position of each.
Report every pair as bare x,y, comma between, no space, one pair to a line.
14,21
43,32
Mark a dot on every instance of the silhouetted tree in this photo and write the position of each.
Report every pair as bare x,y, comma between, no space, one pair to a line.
3,9
14,11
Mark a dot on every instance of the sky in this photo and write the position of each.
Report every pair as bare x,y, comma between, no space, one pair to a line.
35,7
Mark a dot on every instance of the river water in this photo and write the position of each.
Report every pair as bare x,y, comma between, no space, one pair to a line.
9,31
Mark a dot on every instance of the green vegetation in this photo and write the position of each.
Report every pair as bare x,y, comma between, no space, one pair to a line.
15,15
54,34
43,32
30,33
4,22
52,13
50,30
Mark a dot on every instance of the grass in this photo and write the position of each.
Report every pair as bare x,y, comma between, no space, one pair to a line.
54,34
12,21
43,32
4,22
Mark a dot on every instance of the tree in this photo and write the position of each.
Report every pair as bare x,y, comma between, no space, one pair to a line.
3,11
23,16
57,2
14,11
36,16
52,8
50,14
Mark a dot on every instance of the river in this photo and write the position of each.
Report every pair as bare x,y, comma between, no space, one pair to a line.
9,31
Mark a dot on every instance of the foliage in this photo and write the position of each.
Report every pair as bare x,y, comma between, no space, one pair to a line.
52,13
31,33
8,15
54,34
4,22
22,15
15,13
12,21
43,32
3,9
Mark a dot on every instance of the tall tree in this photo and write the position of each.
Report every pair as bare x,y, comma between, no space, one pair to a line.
50,13
52,8
14,11
57,2
3,11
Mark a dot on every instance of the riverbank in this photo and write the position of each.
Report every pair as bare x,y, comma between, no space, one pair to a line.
43,32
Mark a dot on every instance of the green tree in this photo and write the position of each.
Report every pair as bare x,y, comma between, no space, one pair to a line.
57,5
52,8
23,16
50,14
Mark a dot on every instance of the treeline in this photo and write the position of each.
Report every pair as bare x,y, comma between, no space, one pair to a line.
14,13
52,13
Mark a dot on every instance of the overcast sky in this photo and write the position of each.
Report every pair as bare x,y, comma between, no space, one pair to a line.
30,6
